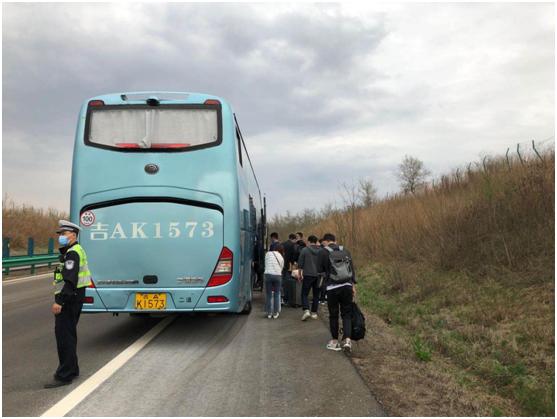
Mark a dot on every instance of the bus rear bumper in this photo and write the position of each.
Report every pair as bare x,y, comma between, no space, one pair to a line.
122,300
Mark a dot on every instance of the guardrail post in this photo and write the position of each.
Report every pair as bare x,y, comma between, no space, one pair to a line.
50,249
30,246
5,248
6,251
30,251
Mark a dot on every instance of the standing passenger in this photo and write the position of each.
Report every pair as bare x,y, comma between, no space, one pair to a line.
322,282
309,263
290,256
274,264
341,288
300,240
274,241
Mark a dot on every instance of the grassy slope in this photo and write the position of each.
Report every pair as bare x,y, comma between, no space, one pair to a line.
464,271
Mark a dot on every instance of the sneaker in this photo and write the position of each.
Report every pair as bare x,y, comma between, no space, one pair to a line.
347,346
306,315
322,302
334,346
275,316
269,316
314,316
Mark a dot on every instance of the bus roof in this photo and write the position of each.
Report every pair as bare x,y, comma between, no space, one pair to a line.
136,98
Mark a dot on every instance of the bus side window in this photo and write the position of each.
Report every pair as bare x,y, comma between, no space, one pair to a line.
239,146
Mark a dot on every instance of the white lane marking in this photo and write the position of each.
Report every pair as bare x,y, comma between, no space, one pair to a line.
26,279
76,396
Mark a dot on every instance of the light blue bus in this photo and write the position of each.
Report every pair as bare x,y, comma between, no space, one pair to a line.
171,212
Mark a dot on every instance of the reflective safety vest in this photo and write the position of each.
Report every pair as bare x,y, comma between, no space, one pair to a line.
84,275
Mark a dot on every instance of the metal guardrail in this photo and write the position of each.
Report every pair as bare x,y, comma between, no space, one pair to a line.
31,261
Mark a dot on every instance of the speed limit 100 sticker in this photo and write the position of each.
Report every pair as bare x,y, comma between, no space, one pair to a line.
87,218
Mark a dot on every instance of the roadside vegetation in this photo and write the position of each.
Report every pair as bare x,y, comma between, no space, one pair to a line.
20,221
462,268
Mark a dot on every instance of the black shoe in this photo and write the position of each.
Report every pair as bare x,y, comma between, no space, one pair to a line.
57,383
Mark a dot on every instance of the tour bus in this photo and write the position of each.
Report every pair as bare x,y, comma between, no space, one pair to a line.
171,212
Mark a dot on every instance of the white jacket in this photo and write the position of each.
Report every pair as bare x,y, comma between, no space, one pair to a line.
274,262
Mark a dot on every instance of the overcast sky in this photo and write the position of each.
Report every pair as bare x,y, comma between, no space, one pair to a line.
324,93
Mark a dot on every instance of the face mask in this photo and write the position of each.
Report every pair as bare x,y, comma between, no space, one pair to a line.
63,241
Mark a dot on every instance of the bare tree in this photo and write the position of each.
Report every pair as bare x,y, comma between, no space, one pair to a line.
412,174
351,197
367,193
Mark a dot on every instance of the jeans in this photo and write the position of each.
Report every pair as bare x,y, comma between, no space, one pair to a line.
310,282
340,297
272,293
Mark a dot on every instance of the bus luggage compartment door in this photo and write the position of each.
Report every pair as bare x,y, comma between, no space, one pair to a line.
126,242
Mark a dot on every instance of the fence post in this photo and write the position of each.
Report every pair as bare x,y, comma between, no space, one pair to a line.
6,251
50,249
30,246
31,251
5,248
537,154
518,152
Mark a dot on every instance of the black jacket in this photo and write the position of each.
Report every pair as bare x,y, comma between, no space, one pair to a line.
326,262
70,274
310,261
291,253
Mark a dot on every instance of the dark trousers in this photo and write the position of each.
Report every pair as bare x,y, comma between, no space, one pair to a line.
323,290
285,277
310,283
65,329
340,298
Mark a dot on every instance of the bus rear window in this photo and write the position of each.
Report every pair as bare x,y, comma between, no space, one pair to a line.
152,128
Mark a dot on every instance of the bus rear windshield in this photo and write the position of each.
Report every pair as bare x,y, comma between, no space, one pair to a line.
152,128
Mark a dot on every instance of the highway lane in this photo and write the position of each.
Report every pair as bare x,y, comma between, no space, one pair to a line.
231,365
29,348
203,365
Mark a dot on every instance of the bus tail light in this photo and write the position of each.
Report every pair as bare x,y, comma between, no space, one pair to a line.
96,103
223,271
88,300
211,102
170,145
217,299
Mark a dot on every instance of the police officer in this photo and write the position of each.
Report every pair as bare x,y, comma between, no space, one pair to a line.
71,277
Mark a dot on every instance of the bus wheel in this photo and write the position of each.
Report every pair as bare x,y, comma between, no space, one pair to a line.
247,308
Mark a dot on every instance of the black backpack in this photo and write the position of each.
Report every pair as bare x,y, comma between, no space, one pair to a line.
341,265
358,323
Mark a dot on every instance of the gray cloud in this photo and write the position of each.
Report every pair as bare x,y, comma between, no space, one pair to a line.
327,92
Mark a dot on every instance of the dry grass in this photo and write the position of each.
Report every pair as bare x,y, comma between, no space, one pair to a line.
20,221
464,270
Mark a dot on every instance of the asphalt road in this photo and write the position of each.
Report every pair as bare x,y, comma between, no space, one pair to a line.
203,365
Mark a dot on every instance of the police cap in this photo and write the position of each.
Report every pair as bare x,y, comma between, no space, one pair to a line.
64,225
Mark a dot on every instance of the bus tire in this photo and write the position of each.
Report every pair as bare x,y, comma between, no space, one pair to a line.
247,308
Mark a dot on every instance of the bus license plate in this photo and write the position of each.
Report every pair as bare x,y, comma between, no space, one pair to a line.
150,301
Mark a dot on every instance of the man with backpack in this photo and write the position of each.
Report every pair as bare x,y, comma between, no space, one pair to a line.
340,280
